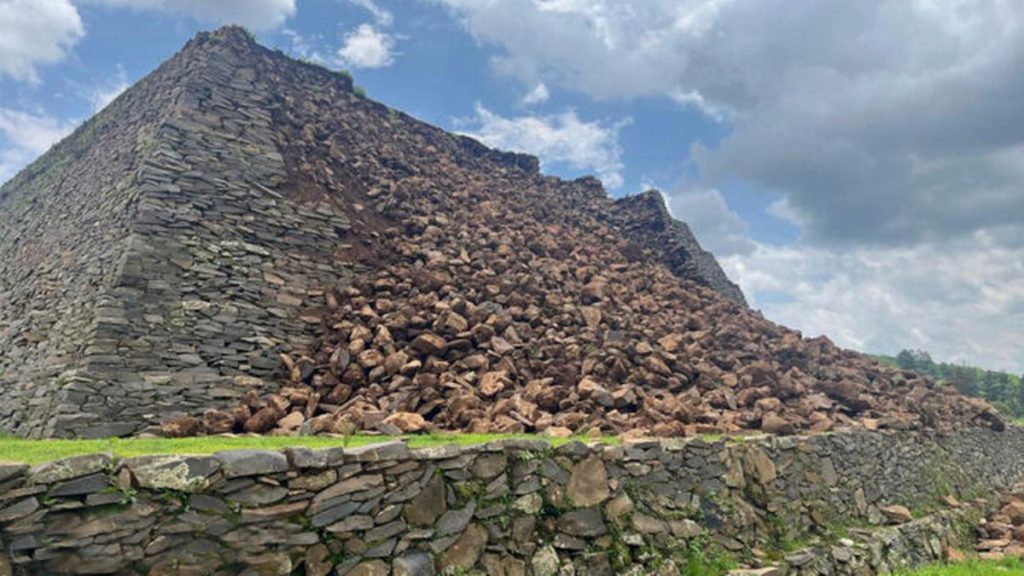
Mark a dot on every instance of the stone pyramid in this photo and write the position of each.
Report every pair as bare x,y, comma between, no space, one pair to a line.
161,258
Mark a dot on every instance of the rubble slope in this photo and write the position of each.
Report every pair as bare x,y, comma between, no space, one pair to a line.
490,297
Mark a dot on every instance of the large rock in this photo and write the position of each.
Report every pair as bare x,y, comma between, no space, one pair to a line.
584,523
428,505
454,521
68,468
181,427
370,568
178,473
466,551
9,470
318,560
238,463
588,482
545,562
897,514
408,422
413,564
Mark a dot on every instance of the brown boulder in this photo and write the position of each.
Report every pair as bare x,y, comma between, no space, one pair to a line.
772,423
428,343
897,514
588,483
181,427
291,422
408,422
263,420
1014,511
218,422
492,383
465,552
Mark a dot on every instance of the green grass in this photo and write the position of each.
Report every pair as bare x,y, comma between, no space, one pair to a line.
1004,567
36,451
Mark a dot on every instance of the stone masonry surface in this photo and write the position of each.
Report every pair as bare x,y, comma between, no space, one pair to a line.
158,260
157,271
509,507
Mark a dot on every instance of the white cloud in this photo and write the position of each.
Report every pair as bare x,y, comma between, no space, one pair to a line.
558,139
891,131
716,226
367,47
881,122
785,211
381,16
105,93
255,14
962,302
26,135
35,32
305,47
538,95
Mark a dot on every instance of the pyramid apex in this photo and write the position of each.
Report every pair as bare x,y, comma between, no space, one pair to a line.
233,32
232,35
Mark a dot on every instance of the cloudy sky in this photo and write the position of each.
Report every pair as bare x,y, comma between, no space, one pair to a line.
858,167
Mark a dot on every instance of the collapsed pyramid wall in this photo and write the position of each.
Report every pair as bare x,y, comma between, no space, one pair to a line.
159,260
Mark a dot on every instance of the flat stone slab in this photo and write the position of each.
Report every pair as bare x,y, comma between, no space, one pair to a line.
80,486
69,468
237,463
181,473
394,450
9,470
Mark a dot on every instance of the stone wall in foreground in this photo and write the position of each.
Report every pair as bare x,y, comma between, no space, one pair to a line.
509,507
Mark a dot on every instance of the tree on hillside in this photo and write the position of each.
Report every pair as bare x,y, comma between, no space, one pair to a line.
1003,390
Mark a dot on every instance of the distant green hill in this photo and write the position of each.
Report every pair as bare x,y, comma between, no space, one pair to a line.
1002,389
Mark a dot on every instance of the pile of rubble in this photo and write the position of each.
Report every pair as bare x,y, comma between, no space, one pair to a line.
492,319
490,298
1003,534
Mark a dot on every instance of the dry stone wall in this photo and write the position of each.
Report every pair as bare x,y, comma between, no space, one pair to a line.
508,507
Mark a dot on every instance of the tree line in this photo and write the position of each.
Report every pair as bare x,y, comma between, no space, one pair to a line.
1002,389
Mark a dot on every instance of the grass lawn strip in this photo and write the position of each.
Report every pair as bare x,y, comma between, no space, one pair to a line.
38,451
1004,567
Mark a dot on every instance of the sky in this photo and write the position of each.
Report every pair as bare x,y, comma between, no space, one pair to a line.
857,167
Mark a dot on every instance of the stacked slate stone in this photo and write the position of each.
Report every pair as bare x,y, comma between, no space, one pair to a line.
511,507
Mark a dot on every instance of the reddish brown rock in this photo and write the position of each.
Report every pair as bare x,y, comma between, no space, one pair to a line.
897,514
408,422
218,422
181,427
772,423
428,343
291,422
491,383
263,420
